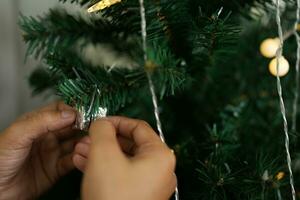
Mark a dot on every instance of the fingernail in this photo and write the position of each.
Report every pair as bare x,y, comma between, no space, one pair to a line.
67,114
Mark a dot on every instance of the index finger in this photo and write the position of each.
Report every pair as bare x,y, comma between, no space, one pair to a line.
137,130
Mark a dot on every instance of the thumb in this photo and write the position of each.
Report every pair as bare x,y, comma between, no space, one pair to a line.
104,142
40,123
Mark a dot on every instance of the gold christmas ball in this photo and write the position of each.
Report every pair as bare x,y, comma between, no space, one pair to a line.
283,67
268,47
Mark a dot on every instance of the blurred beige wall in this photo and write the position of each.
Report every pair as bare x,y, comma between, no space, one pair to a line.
15,95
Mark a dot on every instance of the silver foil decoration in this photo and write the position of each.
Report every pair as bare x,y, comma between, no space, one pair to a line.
84,119
86,116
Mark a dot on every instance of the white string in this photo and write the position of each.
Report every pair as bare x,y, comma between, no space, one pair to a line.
156,108
278,194
282,106
144,28
151,85
296,98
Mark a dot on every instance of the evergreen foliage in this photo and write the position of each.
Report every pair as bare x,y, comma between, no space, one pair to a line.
219,104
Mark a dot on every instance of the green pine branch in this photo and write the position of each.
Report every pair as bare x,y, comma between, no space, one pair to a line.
58,29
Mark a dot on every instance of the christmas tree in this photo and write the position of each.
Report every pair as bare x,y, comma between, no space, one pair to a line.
217,100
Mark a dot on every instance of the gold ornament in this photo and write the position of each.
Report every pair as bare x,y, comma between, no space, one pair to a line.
283,67
280,176
269,47
102,5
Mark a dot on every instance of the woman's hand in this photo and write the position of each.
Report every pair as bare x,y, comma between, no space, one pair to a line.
36,151
125,159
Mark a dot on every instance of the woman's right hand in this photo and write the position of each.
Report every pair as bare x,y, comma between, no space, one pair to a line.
125,159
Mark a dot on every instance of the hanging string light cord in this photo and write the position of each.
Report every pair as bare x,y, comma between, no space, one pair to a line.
151,85
156,109
282,106
296,98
